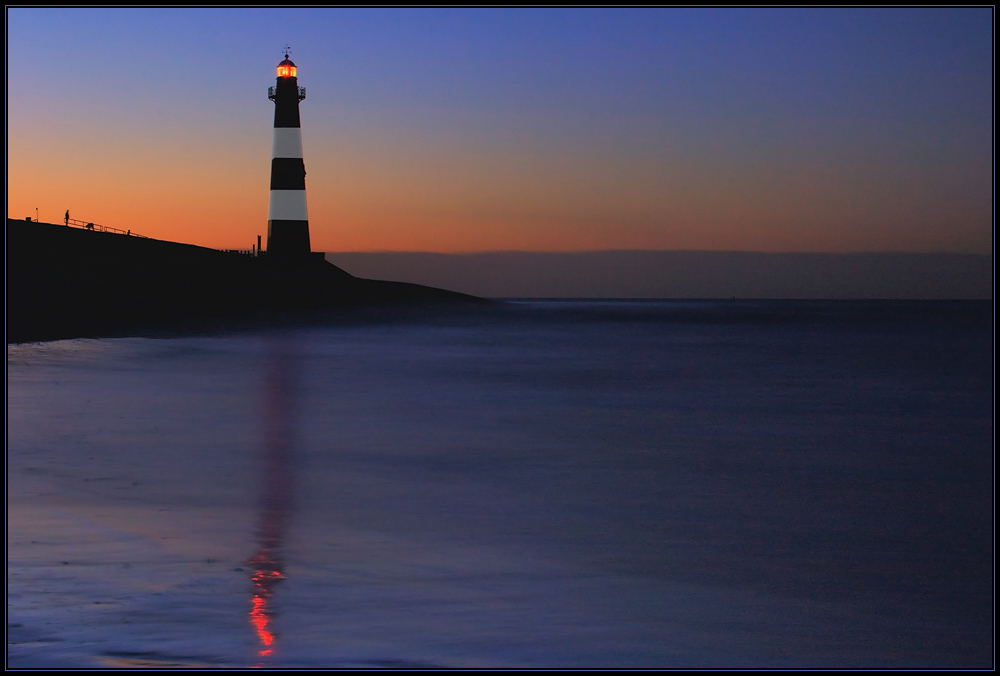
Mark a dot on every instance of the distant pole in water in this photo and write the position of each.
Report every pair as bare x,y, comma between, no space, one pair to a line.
287,219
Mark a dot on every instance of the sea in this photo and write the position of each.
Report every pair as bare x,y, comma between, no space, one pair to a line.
554,484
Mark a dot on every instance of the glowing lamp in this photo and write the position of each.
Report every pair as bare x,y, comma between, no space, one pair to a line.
286,68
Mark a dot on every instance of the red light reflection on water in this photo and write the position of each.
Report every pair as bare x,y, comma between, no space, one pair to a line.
266,575
276,492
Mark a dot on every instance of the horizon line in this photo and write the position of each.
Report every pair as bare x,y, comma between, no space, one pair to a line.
715,251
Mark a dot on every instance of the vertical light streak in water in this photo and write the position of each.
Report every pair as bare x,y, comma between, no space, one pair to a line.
276,488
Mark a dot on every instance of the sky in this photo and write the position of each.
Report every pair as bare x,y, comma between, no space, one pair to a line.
477,130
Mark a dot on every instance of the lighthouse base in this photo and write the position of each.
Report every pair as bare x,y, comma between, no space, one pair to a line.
287,239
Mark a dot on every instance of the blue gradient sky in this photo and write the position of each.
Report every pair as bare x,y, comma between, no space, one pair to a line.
511,129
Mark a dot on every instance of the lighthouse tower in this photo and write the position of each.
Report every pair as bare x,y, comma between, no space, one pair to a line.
287,219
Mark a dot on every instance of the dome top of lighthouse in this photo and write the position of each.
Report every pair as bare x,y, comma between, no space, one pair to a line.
286,68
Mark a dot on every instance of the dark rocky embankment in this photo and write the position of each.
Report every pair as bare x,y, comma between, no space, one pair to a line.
66,283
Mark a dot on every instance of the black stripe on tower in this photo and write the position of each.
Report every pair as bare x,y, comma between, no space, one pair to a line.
288,173
293,239
286,102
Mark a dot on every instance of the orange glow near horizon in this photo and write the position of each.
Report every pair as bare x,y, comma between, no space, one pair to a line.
210,209
371,193
228,217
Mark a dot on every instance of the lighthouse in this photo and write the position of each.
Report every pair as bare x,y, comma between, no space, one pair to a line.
287,219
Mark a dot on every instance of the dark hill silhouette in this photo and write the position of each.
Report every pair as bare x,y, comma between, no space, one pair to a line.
64,283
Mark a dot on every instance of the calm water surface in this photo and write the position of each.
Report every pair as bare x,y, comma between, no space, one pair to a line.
545,484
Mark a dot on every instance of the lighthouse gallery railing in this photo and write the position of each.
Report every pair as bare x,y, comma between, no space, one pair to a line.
272,92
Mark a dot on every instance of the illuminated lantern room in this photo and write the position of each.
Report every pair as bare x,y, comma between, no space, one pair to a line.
286,68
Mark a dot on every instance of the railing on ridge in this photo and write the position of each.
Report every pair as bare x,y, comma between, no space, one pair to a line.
86,225
96,227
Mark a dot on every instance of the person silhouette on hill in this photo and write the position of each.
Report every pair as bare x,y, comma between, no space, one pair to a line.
67,217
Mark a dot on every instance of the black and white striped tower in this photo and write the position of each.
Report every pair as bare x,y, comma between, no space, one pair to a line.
287,219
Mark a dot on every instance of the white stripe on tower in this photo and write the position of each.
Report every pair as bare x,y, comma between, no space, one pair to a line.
287,142
287,205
